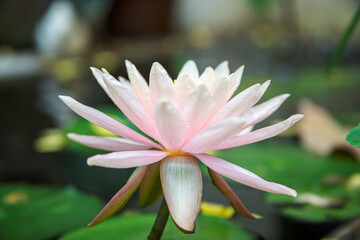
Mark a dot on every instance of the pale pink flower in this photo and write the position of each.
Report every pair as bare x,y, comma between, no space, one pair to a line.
185,118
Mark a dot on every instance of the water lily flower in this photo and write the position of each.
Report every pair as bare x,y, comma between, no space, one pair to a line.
181,121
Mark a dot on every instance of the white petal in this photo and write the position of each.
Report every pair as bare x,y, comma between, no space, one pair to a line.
182,186
238,73
189,69
211,136
207,77
170,125
261,134
106,122
262,111
222,70
140,86
108,143
195,108
99,77
238,105
183,85
219,89
161,85
127,159
242,175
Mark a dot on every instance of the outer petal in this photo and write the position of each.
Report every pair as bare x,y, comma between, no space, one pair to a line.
150,188
106,122
100,79
189,69
126,159
262,111
222,70
226,190
182,185
239,105
120,198
195,108
242,175
140,86
261,134
130,106
108,143
161,85
211,136
170,125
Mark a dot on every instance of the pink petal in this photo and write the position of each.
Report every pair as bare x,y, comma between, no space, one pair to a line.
222,70
226,190
108,143
106,122
242,175
182,185
161,85
262,111
119,200
213,135
189,69
170,125
126,159
261,134
140,86
195,109
150,188
128,103
238,105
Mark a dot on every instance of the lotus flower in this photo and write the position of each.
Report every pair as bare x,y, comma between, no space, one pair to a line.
183,119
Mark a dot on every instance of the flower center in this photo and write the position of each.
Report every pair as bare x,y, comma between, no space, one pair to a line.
175,153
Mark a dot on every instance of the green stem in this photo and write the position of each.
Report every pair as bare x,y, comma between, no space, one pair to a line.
343,42
160,223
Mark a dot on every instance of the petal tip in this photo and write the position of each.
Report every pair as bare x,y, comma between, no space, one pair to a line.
64,98
71,135
296,117
90,161
293,193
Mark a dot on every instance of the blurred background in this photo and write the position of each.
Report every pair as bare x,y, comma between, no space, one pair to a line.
308,48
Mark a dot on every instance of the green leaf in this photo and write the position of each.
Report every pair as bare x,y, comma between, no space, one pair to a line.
139,226
28,212
354,136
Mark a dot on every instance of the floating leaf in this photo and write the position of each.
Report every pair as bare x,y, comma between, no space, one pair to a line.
139,226
28,212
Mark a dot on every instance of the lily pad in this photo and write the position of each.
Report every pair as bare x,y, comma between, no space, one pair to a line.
28,212
354,136
139,226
